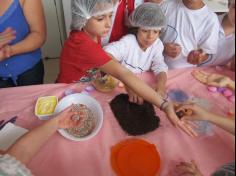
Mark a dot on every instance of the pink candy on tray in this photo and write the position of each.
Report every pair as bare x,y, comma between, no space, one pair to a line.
229,94
212,89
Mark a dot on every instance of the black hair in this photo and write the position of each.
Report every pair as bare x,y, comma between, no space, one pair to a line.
133,30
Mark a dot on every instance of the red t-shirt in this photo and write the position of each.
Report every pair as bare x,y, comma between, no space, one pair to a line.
119,29
80,54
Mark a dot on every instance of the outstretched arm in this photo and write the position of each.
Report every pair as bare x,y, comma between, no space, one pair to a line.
202,114
143,90
28,145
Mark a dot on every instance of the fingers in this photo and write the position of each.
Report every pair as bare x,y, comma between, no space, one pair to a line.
191,58
187,129
7,51
186,106
202,58
140,100
196,57
186,169
134,98
200,76
6,37
172,49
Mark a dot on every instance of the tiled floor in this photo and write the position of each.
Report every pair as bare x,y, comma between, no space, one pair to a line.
51,67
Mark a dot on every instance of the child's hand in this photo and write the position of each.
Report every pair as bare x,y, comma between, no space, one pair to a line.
198,113
216,80
188,169
6,37
65,119
182,124
172,49
5,52
161,90
133,97
197,57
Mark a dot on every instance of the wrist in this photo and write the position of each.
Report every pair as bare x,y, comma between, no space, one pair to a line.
55,121
231,84
12,50
164,105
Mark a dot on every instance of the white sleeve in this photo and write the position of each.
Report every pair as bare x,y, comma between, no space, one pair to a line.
117,49
209,40
158,63
9,166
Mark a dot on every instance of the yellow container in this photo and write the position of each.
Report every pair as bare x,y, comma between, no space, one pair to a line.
45,107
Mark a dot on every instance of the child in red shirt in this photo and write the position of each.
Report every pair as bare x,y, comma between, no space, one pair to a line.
82,51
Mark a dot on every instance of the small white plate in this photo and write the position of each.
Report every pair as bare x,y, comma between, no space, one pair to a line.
88,101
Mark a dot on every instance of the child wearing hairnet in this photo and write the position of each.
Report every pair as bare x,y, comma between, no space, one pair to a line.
82,52
191,36
142,52
121,11
226,44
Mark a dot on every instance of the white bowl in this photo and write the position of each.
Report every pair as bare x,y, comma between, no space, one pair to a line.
91,103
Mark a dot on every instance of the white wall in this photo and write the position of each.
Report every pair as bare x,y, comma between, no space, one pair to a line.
55,28
67,14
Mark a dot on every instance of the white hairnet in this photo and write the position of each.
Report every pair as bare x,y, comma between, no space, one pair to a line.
83,10
148,16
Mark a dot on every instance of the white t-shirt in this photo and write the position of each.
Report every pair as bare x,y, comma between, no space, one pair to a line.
226,47
192,29
105,40
128,52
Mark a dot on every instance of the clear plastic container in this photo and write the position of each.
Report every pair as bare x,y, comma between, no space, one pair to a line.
204,128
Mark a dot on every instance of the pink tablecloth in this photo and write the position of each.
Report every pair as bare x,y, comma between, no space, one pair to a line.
61,157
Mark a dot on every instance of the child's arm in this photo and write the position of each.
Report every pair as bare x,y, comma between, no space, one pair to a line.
128,78
204,115
160,86
37,25
28,145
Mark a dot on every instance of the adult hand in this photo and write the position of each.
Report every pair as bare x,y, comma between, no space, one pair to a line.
197,57
6,37
182,124
133,97
188,169
66,120
5,52
216,80
172,49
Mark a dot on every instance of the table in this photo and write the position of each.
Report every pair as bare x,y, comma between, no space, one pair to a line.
61,157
